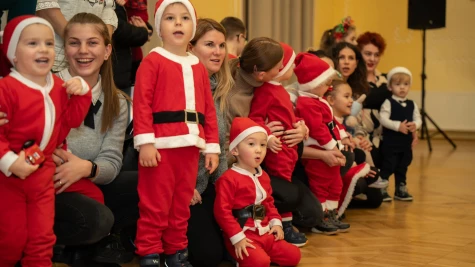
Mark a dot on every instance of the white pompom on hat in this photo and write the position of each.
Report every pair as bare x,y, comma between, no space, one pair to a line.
12,32
241,128
160,7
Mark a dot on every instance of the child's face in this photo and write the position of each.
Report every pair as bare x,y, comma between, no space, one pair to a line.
351,37
347,62
251,151
85,50
341,100
400,86
266,76
320,90
34,56
287,75
176,27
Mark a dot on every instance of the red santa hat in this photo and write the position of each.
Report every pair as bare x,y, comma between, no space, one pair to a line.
399,70
242,128
13,30
288,61
160,7
311,71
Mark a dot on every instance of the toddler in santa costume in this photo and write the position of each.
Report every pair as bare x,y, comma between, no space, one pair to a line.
40,110
174,119
314,77
244,207
271,102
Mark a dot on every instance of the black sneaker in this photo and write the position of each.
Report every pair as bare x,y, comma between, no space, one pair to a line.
325,227
402,194
152,260
333,218
111,250
386,196
293,237
179,259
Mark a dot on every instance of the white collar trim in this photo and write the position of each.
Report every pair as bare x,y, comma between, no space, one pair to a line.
246,172
47,88
397,98
189,59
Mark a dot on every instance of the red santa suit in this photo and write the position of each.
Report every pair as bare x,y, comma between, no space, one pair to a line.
324,181
27,206
351,177
165,83
237,189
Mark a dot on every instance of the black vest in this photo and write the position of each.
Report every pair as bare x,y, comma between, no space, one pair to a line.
399,113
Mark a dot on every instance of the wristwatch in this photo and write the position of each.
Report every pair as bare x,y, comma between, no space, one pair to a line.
93,170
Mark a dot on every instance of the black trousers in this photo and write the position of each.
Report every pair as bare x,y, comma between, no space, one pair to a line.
396,160
374,196
80,220
205,239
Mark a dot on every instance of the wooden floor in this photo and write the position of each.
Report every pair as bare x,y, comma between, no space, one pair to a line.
436,229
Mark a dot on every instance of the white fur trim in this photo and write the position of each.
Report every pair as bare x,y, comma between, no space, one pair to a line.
275,222
50,110
237,237
244,134
180,141
287,67
332,204
183,60
399,70
6,162
286,219
329,73
163,6
142,139
212,148
328,146
17,32
351,188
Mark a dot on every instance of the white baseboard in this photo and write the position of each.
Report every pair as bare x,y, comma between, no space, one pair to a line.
452,111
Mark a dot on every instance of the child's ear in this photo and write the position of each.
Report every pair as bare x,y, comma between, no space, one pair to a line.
234,152
330,100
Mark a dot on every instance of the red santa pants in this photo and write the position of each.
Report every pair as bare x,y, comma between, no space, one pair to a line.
267,250
27,218
282,165
165,193
325,181
88,188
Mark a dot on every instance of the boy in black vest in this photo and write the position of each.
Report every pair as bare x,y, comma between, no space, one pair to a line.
400,118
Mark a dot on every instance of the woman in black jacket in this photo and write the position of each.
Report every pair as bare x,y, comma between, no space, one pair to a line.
127,35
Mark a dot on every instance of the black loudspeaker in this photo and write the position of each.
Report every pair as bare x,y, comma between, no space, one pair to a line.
426,14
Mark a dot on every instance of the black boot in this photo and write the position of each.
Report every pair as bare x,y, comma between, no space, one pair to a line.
333,217
152,260
401,193
292,236
325,226
179,259
111,250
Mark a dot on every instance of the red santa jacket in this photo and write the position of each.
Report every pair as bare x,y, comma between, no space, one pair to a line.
37,113
271,102
167,82
317,114
237,189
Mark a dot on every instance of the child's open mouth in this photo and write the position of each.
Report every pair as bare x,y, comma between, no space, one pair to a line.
42,60
178,33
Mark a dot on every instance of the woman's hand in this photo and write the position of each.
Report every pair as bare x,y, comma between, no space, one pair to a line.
71,171
196,198
242,246
149,156
211,162
277,231
3,118
276,128
294,136
333,158
60,156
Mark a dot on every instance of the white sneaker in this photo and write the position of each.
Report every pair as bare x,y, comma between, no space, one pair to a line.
361,197
380,183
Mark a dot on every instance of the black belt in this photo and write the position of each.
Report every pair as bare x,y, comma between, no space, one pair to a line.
256,212
186,116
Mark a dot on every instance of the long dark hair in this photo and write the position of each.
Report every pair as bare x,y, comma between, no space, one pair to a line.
357,80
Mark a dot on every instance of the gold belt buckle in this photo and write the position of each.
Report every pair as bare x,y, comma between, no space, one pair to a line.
187,111
259,212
